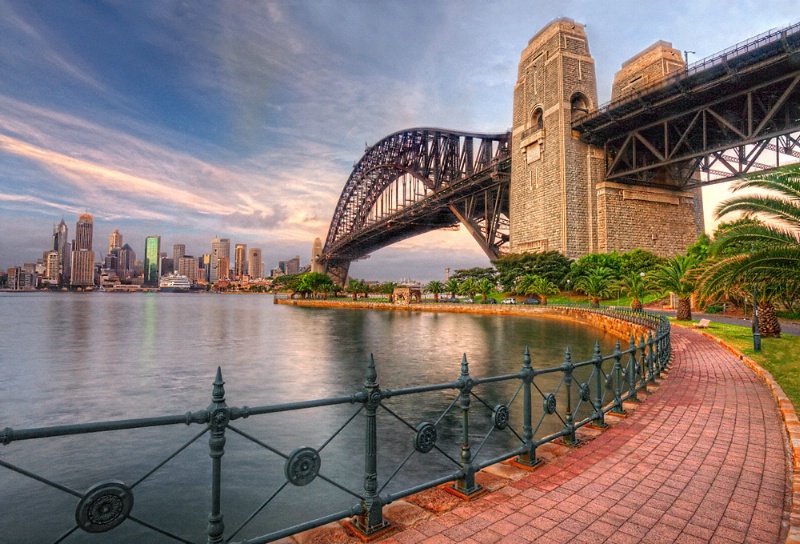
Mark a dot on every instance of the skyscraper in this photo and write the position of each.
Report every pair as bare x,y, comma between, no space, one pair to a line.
82,254
126,257
152,260
178,252
62,245
255,265
220,248
114,241
240,261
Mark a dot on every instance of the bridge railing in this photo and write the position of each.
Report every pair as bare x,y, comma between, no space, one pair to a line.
570,395
722,58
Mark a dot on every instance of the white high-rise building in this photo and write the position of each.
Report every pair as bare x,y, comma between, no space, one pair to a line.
255,264
220,249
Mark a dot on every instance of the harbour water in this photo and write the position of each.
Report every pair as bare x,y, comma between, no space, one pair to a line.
80,357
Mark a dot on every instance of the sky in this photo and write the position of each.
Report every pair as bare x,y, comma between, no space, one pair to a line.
243,119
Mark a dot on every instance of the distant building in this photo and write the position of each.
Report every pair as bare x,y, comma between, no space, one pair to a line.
178,252
52,268
292,266
255,263
82,273
188,266
114,241
204,265
220,249
240,261
126,261
224,269
152,261
62,246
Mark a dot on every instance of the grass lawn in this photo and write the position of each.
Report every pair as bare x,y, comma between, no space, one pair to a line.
779,356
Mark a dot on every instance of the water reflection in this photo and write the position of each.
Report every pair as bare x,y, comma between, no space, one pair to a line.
86,357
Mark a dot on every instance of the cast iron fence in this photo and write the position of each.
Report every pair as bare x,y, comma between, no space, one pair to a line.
600,385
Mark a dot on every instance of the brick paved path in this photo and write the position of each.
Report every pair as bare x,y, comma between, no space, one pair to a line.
703,460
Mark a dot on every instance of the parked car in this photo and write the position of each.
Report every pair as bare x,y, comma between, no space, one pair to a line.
451,299
467,300
508,301
490,301
532,300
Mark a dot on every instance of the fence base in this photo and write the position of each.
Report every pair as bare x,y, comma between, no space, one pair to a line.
361,533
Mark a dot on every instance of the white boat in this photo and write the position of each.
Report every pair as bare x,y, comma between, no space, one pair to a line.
174,283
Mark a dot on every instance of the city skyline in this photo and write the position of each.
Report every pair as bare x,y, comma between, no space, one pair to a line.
244,119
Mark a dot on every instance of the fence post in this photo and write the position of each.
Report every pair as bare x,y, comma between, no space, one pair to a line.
371,520
219,416
633,366
569,425
599,375
465,486
645,358
616,377
528,458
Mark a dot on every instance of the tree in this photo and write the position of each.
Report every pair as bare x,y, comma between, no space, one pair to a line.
476,273
596,284
453,287
588,264
635,285
549,264
436,287
533,284
749,252
678,275
353,288
388,289
469,287
486,287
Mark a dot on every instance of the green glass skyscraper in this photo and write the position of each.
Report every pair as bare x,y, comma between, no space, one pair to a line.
152,260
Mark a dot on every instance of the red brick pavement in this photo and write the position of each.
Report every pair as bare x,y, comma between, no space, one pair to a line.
703,460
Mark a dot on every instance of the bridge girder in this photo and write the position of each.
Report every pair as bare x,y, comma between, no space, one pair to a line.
419,180
719,118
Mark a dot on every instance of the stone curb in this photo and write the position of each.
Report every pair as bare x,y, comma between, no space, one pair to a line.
790,421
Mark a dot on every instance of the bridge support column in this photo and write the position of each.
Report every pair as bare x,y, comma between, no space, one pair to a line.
338,271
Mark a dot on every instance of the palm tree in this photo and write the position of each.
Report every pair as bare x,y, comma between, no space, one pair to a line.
597,284
534,284
486,287
353,288
469,287
678,275
388,289
452,286
635,285
435,287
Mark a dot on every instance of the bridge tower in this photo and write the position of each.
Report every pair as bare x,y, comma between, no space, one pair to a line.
559,199
553,173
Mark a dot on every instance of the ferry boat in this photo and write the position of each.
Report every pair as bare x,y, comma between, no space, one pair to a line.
174,283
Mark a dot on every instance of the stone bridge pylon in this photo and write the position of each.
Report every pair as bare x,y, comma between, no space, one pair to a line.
559,199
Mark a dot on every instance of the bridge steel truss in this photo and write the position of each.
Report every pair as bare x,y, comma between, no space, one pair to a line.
732,114
418,180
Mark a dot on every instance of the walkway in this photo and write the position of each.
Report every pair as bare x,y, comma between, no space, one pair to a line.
703,460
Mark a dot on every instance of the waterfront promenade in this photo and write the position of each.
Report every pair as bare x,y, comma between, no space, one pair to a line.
704,459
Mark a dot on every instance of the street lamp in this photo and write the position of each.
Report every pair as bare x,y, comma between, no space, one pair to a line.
756,333
568,292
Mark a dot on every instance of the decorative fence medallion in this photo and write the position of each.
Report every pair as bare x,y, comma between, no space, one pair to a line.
302,466
425,437
104,506
501,416
584,392
550,404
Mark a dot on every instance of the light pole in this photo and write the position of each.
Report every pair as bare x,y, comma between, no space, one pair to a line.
568,292
756,333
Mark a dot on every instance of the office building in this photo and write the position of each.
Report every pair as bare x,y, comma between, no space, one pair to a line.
255,264
178,252
82,268
152,261
240,261
189,266
114,241
220,249
62,245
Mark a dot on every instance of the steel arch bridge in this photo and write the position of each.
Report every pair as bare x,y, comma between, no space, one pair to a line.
418,180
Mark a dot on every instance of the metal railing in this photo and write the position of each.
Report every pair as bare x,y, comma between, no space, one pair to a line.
585,392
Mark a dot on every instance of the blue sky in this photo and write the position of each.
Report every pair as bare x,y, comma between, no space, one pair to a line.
243,119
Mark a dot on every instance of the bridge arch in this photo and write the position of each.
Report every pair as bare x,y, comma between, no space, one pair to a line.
417,180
